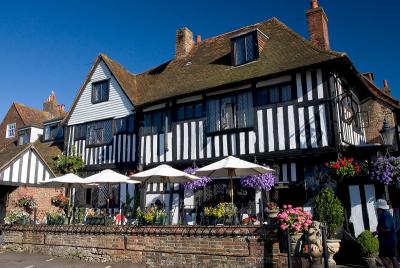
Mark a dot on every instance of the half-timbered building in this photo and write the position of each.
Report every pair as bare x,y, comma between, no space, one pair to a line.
261,92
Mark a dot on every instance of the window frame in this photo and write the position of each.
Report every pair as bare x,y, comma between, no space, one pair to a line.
193,107
13,127
254,34
164,112
94,84
267,90
24,134
103,142
236,127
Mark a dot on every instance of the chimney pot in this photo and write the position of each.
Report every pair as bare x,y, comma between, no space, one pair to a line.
385,84
198,39
314,4
386,88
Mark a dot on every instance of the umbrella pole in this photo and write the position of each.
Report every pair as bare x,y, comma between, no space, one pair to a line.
231,182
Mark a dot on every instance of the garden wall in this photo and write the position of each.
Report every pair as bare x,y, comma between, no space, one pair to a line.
188,246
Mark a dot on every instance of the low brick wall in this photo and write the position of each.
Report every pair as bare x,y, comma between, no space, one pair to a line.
166,246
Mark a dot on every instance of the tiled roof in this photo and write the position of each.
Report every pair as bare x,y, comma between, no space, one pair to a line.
31,116
380,94
208,65
10,152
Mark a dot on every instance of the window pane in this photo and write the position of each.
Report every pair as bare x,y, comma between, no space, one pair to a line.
249,47
107,132
100,91
286,92
120,125
227,113
262,97
239,47
274,94
189,112
245,110
47,133
157,122
198,110
147,123
131,124
213,115
181,113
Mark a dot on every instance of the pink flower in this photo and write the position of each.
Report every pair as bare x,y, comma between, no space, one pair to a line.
284,206
283,227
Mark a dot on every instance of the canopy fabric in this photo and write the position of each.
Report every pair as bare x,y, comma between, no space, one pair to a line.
108,176
67,180
163,174
232,167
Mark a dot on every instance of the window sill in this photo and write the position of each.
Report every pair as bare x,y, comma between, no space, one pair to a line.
229,131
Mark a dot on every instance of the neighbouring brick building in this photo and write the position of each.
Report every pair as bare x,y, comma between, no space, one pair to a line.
30,138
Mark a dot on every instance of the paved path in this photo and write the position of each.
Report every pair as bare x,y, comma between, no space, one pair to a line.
26,260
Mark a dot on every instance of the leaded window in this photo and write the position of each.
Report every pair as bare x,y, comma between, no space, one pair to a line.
11,130
100,91
189,111
99,133
244,48
156,122
235,111
274,94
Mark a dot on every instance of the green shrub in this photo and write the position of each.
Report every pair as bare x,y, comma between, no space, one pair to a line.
329,210
369,244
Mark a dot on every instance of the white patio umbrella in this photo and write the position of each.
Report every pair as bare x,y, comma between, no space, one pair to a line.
108,177
163,174
230,167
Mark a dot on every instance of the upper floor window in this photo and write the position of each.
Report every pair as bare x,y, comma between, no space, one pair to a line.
80,132
244,48
100,91
274,94
53,132
124,125
23,137
10,133
99,133
189,111
155,122
230,112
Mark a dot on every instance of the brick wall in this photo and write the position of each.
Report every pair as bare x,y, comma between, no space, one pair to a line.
165,246
12,116
42,197
376,114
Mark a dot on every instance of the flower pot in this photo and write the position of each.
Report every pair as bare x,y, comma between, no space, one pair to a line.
272,214
316,256
295,242
333,248
370,262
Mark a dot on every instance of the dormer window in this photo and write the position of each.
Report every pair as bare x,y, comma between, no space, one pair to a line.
244,48
100,91
10,130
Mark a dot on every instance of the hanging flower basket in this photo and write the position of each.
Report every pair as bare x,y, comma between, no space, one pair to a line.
263,181
197,184
386,170
344,167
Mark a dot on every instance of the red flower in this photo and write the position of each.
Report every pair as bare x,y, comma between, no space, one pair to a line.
357,168
336,166
342,162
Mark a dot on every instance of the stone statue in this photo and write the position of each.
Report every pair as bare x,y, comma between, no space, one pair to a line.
315,240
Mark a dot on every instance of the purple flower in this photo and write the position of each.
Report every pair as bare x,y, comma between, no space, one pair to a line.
193,185
262,181
386,170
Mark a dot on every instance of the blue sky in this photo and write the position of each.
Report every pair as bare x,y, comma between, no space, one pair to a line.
50,45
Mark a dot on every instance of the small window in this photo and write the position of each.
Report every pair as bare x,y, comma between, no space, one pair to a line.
120,125
274,94
23,137
54,132
99,133
100,91
80,132
189,111
154,122
244,49
11,130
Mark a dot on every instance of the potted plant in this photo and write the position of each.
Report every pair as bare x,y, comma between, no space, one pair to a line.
222,213
17,216
344,167
369,246
329,210
386,170
26,202
296,220
55,216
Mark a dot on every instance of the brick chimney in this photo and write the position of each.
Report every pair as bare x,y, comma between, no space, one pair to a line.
386,88
50,104
318,25
184,42
61,109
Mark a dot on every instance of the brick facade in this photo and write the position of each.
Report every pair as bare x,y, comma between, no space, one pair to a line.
377,112
42,196
12,116
165,246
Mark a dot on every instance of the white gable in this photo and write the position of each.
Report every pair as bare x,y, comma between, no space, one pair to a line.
118,104
28,168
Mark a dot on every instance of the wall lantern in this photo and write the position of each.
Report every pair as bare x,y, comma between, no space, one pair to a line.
387,134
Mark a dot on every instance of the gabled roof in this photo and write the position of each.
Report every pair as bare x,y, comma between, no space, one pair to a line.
380,94
208,65
31,116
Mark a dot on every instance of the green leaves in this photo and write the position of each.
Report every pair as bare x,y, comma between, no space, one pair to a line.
369,244
329,210
68,164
